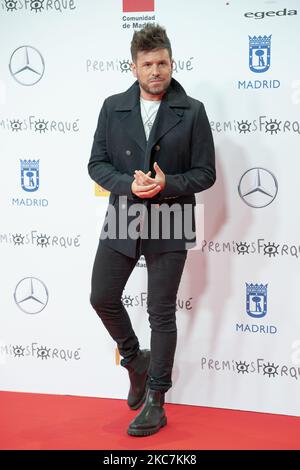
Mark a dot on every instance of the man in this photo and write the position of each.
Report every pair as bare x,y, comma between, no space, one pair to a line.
153,150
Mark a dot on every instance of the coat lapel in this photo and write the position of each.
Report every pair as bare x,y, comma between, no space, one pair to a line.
130,115
165,120
133,125
169,114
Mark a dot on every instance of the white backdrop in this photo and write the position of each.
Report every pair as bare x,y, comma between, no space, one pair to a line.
236,348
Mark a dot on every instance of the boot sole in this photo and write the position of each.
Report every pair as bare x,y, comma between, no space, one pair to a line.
147,432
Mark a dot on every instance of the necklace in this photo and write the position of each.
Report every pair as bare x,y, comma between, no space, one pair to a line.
149,117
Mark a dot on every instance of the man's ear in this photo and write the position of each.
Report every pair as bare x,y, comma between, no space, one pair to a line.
133,68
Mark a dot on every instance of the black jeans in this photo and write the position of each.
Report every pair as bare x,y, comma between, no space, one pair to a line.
110,273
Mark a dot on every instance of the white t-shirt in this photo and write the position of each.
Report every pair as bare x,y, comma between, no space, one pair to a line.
149,110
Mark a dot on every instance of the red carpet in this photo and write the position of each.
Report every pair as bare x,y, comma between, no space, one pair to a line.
33,421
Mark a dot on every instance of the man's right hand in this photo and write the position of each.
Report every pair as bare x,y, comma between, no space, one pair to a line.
144,191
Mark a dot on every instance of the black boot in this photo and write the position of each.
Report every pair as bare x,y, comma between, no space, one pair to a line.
138,375
151,418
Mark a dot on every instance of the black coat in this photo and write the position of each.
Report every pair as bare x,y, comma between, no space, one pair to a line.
180,142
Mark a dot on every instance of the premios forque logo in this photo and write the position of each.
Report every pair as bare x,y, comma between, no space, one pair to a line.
259,53
123,65
38,6
256,300
38,124
140,300
40,239
35,5
26,65
34,350
262,123
138,5
31,295
258,187
30,177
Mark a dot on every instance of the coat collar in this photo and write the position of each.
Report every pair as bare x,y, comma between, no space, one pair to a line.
169,114
175,97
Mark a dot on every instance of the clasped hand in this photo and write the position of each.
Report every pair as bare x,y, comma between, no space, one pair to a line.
144,186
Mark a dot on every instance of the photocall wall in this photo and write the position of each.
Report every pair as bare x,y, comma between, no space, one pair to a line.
238,302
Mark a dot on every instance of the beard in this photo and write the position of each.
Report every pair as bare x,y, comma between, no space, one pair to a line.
157,88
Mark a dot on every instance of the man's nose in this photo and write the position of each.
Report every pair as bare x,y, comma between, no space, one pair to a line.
155,70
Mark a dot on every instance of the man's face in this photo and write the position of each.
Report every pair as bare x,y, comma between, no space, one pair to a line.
153,70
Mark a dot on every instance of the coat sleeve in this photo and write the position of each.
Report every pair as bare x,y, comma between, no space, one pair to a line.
202,173
100,167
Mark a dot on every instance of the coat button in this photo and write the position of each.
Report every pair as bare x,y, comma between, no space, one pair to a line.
128,152
157,148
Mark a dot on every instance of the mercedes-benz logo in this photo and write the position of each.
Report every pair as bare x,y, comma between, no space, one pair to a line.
31,295
26,65
258,187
